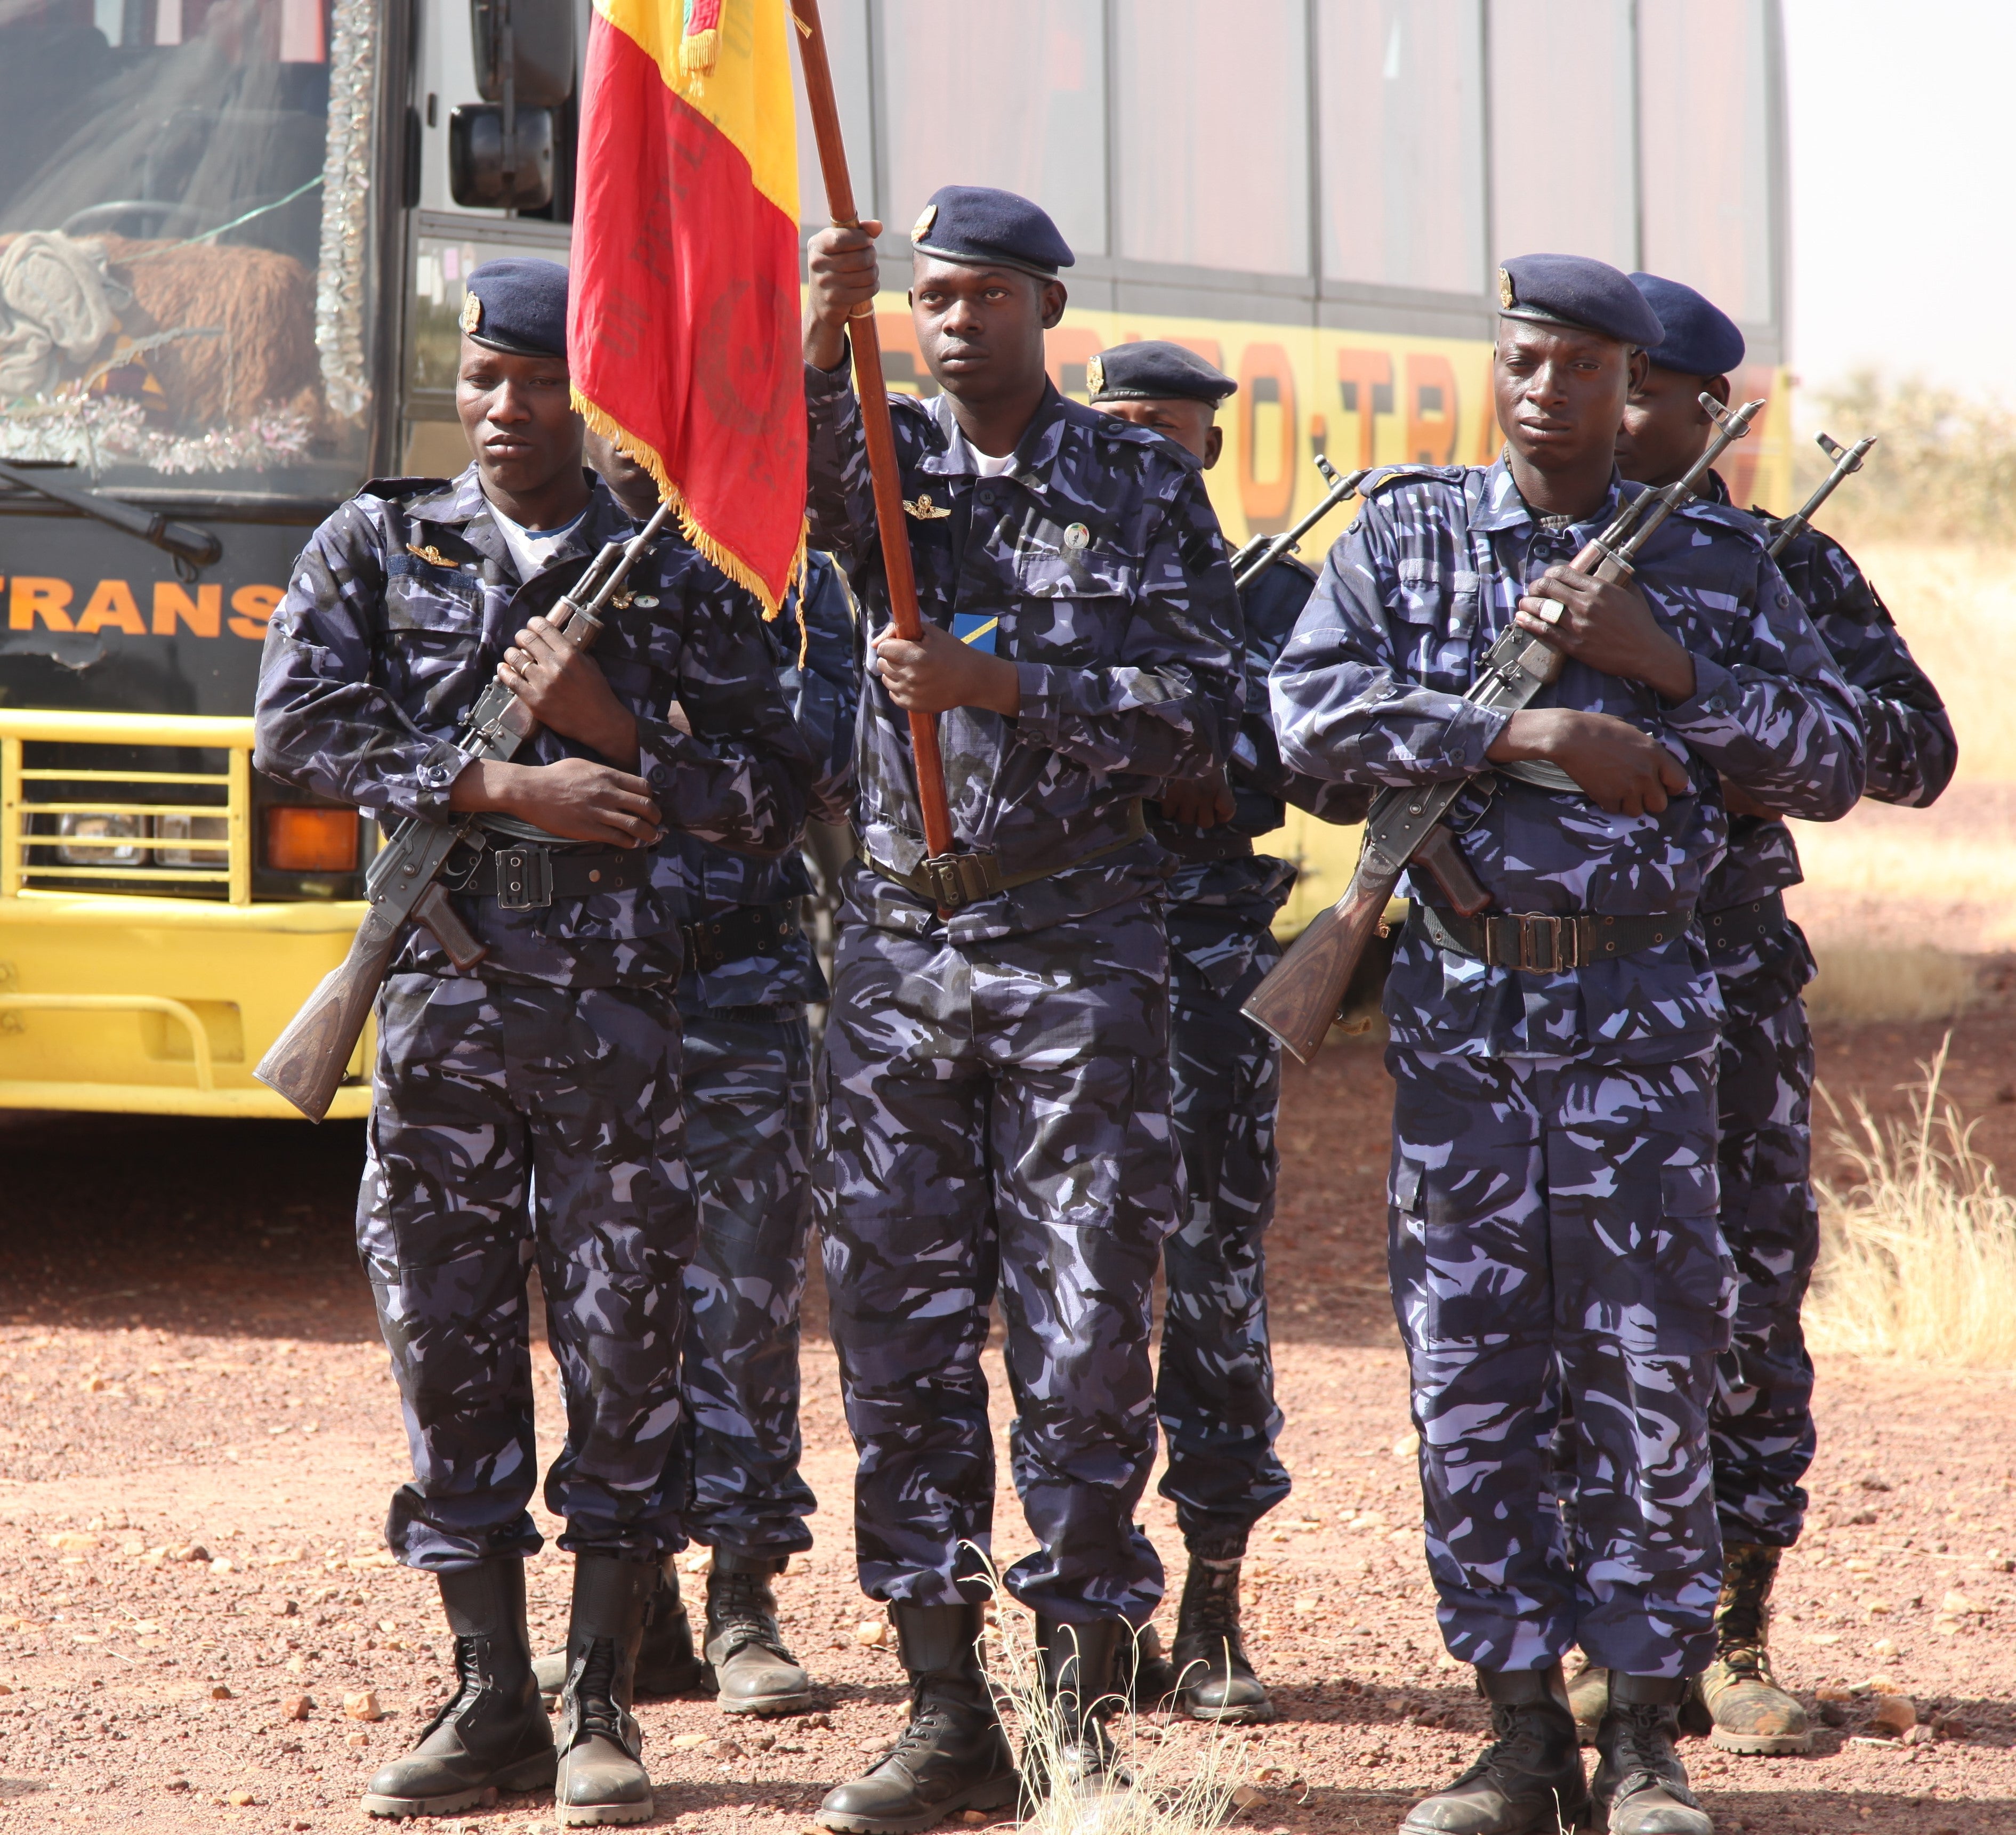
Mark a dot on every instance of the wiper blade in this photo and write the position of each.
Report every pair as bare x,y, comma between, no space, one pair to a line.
191,547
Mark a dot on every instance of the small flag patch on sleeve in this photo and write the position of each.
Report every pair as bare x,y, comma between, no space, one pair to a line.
977,628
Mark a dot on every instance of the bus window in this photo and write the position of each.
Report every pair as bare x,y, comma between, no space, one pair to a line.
1212,135
1562,177
1706,135
163,238
1402,134
1006,95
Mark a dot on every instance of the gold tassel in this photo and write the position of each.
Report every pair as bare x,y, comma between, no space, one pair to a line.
703,544
698,52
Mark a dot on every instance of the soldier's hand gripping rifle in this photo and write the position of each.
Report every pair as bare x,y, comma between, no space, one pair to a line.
1300,997
307,1062
1261,553
1846,458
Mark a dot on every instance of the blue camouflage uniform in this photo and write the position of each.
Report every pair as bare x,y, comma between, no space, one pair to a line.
529,1109
995,1084
1214,1382
1553,1204
750,970
1762,1424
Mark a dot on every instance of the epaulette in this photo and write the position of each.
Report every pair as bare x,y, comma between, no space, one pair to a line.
394,489
1402,474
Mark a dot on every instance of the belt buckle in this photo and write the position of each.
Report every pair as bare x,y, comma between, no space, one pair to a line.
524,878
957,880
1532,926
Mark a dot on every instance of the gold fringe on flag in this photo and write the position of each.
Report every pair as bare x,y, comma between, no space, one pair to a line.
697,53
703,545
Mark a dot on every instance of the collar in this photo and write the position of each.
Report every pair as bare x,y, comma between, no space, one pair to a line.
1035,452
463,507
1500,506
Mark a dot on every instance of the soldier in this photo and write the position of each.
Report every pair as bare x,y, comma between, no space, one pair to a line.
1215,1383
996,1107
530,1108
1761,1422
747,1076
1553,1224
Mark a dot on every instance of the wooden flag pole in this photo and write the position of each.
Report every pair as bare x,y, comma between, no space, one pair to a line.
881,437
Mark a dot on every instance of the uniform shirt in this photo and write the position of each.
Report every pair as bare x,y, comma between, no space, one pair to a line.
712,882
1909,756
394,621
1098,554
1369,690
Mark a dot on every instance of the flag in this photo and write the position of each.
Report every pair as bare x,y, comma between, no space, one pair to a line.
682,332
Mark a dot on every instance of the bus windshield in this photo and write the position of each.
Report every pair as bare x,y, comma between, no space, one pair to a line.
184,240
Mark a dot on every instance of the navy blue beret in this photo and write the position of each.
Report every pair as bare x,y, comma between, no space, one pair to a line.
1574,290
1701,339
1154,371
518,305
981,227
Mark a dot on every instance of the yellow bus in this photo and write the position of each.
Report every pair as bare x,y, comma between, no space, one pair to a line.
233,238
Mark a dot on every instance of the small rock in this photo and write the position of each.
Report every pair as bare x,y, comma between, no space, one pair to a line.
873,1633
764,1741
96,1385
1883,1647
1832,1713
5,1688
189,1551
975,1819
176,1784
1949,1726
1876,1608
222,1565
1919,1735
876,1747
220,1693
688,1742
798,1564
1248,1796
723,1750
823,1721
241,1799
297,1708
286,1608
1894,1714
357,1740
1956,1605
1871,1482
363,1705
695,1561
1407,1445
72,1542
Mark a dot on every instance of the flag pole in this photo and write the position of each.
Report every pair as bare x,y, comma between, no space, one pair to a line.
881,437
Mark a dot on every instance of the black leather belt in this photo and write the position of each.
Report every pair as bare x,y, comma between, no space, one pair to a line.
735,935
526,877
1540,943
1738,925
953,881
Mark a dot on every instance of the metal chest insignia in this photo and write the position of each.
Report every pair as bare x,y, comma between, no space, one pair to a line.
431,555
923,510
472,313
1076,537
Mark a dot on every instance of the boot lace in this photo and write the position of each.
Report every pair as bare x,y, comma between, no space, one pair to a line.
1748,1662
590,1705
738,1604
469,1680
1642,1752
1515,1752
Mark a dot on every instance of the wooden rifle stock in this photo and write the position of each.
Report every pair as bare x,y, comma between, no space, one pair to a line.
1298,1000
307,1061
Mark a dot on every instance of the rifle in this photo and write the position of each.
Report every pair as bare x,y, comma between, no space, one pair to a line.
1847,458
1299,999
1261,552
307,1062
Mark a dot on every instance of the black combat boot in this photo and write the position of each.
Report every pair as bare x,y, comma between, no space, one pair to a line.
953,1755
667,1664
493,1734
1082,1678
1738,1699
1529,1780
1639,1784
754,1673
1214,1679
602,1777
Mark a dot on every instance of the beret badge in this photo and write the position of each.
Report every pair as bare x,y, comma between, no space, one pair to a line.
472,313
922,228
1506,297
1095,375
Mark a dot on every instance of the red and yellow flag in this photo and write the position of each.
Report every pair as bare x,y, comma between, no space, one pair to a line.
682,332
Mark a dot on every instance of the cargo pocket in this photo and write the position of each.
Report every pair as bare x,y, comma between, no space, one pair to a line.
1645,1265
1467,1262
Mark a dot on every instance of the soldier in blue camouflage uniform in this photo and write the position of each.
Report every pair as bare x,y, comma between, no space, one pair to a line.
1553,1204
749,972
1761,1424
1214,1382
530,1109
996,1079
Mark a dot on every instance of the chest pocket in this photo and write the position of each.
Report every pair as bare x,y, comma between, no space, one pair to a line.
1071,604
432,639
1434,612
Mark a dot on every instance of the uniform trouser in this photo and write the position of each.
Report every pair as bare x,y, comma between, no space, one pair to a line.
1214,1384
515,1122
996,1115
1761,1425
748,1115
1553,1231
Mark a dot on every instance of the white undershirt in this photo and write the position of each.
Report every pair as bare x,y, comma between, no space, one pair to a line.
532,549
986,467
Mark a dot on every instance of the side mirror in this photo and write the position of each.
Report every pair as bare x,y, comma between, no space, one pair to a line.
524,51
490,170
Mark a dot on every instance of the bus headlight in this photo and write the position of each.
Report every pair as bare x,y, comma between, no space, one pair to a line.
101,840
185,829
304,840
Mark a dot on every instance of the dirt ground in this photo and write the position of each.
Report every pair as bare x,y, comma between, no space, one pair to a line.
198,1436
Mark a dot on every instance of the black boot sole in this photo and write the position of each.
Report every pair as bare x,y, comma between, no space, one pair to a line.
1577,1819
1255,1714
768,1707
991,1794
603,1816
535,1773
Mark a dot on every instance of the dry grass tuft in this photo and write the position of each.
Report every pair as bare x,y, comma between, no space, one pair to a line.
1188,1777
1917,1254
1863,985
